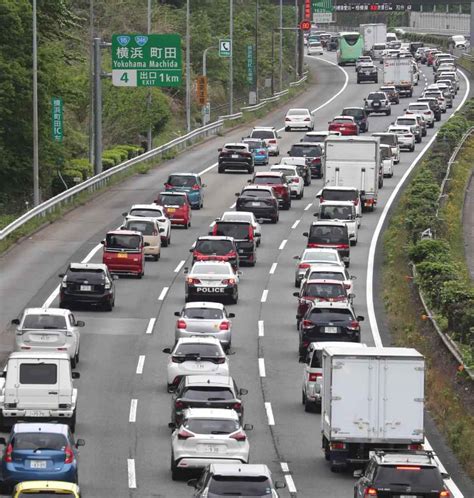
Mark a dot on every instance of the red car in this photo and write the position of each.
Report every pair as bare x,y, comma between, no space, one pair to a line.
344,124
279,183
124,252
177,207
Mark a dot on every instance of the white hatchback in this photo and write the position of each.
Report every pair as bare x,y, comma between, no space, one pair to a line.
312,256
296,182
424,109
299,118
153,211
406,137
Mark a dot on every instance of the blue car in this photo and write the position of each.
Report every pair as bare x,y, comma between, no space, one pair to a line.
259,150
191,183
39,452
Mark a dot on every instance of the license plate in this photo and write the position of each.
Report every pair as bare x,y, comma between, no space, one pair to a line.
38,464
36,413
234,156
256,204
210,290
198,365
122,255
209,448
343,128
330,330
45,338
241,251
171,210
86,288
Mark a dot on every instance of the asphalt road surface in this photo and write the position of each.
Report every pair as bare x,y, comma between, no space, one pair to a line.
127,452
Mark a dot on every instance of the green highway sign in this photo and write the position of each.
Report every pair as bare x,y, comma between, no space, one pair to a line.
250,65
225,47
323,6
146,60
57,119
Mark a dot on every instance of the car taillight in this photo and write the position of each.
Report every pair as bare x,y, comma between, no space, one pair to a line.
8,453
61,349
193,281
184,434
228,281
69,455
313,377
272,141
342,246
154,233
338,446
219,361
261,151
224,326
370,492
251,235
287,119
25,348
167,186
445,494
415,446
407,136
307,323
303,266
307,119
179,405
347,286
407,467
354,325
321,199
239,436
294,180
181,324
196,187
237,406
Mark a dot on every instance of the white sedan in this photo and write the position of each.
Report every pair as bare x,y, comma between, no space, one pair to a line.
311,256
299,118
208,435
387,160
195,356
296,182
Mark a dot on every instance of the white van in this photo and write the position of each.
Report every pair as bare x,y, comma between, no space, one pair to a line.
37,387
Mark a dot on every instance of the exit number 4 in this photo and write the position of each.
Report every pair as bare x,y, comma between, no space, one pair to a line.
124,78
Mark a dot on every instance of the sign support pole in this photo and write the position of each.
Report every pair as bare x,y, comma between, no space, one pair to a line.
301,41
231,64
188,70
280,60
149,138
97,108
36,194
256,51
472,27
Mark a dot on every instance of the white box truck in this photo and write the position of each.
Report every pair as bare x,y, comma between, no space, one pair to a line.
372,398
354,162
372,34
399,72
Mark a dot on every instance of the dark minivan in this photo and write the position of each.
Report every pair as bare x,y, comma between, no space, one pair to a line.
360,115
330,235
243,234
215,248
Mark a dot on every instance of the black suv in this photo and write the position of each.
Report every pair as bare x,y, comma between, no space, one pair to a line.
313,152
401,473
244,238
259,200
367,72
87,283
360,115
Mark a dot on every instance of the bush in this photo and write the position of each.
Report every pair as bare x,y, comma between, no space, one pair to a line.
82,165
430,250
116,157
432,275
456,302
132,150
107,163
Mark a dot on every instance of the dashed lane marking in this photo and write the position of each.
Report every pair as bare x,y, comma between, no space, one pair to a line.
283,244
261,367
308,206
132,477
295,224
180,265
150,326
132,418
270,417
162,296
261,328
140,364
273,268
264,296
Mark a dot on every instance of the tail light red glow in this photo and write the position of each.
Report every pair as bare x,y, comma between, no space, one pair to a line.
237,406
8,453
303,266
313,377
184,434
307,323
224,326
69,455
339,446
415,446
179,405
228,281
196,187
272,141
370,492
181,324
445,494
354,325
193,281
287,119
407,467
307,119
239,436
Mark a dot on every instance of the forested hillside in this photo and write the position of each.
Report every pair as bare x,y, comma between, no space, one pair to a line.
65,29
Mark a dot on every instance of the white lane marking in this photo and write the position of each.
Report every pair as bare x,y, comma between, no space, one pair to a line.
180,265
140,364
151,324
261,367
204,171
284,467
371,259
264,296
233,205
273,268
163,294
132,418
283,244
295,224
261,328
92,253
132,477
308,206
290,484
270,417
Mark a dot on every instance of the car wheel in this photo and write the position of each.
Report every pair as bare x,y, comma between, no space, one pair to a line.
297,283
358,81
251,170
303,398
78,354
432,124
412,148
72,422
235,298
164,242
287,128
156,257
418,139
389,112
353,242
108,306
73,362
175,472
308,407
274,219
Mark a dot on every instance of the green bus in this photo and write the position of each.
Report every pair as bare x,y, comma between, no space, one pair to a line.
351,47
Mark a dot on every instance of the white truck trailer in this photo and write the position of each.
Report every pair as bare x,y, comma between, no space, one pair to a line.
399,72
371,398
372,34
354,162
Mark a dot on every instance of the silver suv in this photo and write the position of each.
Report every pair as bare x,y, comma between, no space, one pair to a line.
378,102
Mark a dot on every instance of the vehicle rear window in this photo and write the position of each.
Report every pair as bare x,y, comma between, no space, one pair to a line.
385,153
207,269
287,172
197,349
326,275
147,213
406,121
297,112
38,373
36,441
352,39
316,360
181,181
262,134
172,200
236,147
306,151
330,315
416,477
388,139
339,195
376,96
353,112
208,393
203,313
328,234
218,247
240,485
319,256
267,180
145,227
211,426
335,212
235,230
44,322
257,193
122,241
324,290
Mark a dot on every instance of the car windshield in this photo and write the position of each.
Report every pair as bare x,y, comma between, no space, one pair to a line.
306,151
324,290
122,241
240,485
357,113
256,193
410,475
181,181
326,234
326,275
235,230
44,322
203,313
339,195
330,315
146,213
172,200
197,349
319,256
336,212
145,227
218,247
42,440
267,180
263,134
211,426
208,393
376,96
387,139
206,269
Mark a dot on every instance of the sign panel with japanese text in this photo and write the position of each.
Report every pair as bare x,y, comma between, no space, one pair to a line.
250,65
201,89
57,119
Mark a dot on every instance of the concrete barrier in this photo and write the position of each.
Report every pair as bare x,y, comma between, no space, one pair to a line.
441,21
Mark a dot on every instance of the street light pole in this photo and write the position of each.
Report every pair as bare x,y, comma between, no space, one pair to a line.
204,60
273,62
281,47
97,107
231,63
256,51
149,138
296,39
188,70
36,195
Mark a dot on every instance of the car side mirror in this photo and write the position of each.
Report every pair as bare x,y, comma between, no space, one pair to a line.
76,375
249,181
80,323
280,485
161,230
192,483
204,185
15,321
191,249
353,277
61,275
177,313
360,318
186,270
358,473
296,294
3,374
239,273
305,234
352,296
172,425
296,257
80,442
115,277
248,427
219,150
316,214
237,194
3,441
288,151
124,214
146,244
261,221
302,360
167,350
102,242
243,392
231,315
230,353
279,136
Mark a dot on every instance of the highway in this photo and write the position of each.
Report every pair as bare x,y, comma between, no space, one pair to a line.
124,408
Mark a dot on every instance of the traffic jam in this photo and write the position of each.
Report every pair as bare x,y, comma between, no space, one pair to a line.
371,425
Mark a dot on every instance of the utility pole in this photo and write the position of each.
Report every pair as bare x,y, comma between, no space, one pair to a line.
273,62
281,47
188,70
97,107
256,52
231,63
472,26
36,194
149,138
300,40
296,39
91,81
